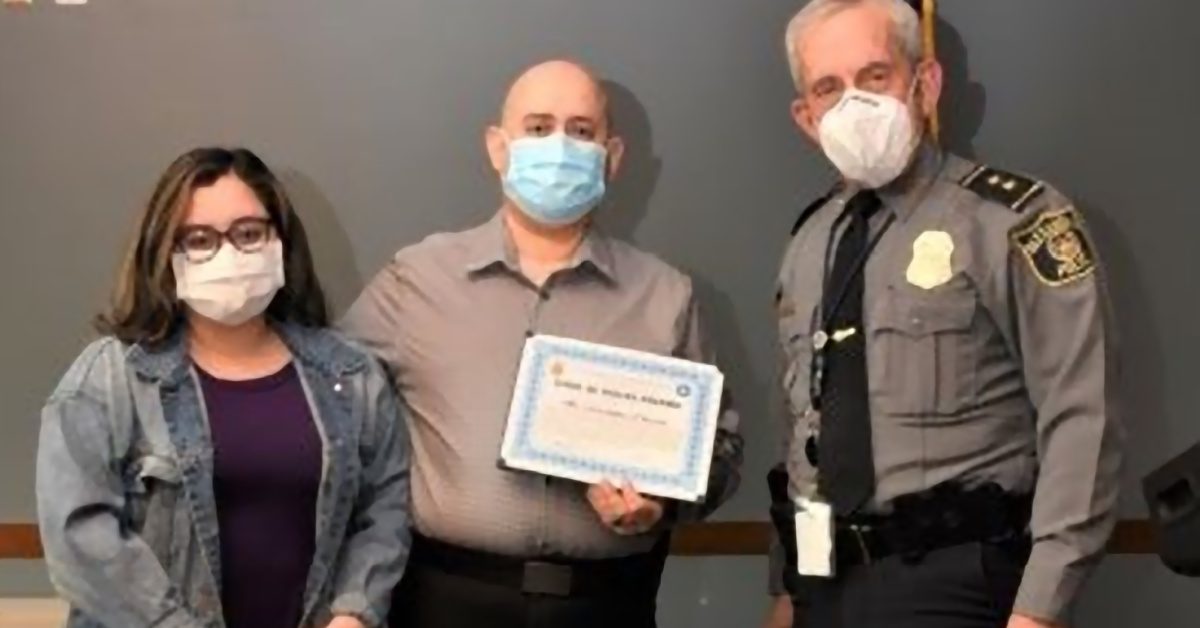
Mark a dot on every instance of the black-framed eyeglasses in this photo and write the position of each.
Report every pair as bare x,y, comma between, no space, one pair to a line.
200,243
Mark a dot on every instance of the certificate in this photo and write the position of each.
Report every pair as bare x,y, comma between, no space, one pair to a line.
591,412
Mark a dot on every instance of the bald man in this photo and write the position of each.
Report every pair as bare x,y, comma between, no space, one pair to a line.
451,314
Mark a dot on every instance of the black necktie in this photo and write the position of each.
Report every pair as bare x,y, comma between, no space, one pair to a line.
847,466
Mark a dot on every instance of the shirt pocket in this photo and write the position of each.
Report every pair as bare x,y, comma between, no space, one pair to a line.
154,502
921,359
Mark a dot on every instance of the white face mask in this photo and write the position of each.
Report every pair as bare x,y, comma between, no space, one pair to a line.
232,287
869,137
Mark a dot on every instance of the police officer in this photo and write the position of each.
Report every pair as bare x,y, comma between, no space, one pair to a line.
949,371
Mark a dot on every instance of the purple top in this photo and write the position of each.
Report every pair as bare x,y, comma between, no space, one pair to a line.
267,470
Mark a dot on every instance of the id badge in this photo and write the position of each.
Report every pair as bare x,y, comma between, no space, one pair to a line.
814,538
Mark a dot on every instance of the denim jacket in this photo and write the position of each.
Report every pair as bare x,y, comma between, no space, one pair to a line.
125,493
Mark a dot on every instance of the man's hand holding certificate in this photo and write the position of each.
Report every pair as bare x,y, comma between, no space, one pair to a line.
601,414
623,509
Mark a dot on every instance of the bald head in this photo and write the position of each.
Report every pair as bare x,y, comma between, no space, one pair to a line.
564,90
557,96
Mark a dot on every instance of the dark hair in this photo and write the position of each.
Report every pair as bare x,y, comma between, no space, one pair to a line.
144,307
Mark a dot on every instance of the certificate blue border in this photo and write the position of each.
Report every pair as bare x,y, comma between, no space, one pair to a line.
699,377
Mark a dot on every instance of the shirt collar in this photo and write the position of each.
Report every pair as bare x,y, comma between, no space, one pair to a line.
491,245
904,194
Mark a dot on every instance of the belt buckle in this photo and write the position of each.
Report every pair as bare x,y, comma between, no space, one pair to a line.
541,578
859,533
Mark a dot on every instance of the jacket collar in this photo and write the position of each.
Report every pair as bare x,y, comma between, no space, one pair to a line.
321,349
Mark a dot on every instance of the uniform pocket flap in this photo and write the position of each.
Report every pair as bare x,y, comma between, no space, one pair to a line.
920,317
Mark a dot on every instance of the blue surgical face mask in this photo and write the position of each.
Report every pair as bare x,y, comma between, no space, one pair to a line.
555,180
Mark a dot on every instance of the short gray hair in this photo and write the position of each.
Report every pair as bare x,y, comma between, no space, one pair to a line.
906,29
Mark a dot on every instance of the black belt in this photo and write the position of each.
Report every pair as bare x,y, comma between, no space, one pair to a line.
554,576
931,520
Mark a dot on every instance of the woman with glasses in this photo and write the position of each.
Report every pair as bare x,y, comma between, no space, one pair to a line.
219,458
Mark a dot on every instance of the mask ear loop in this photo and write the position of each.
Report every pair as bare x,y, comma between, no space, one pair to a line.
911,105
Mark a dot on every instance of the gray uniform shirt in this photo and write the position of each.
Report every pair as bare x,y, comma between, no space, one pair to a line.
450,315
989,356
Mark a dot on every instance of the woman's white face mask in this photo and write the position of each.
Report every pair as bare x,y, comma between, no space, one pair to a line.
869,137
232,287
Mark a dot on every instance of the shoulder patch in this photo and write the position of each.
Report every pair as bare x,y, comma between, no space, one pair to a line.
1056,247
1011,190
812,207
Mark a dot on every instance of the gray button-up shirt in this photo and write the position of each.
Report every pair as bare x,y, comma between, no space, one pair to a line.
450,315
990,357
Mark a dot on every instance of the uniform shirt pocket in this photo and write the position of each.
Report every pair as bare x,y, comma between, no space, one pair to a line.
920,360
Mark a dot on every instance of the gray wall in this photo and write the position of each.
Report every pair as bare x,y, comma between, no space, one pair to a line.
373,112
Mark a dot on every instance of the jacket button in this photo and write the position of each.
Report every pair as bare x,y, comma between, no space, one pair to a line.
337,387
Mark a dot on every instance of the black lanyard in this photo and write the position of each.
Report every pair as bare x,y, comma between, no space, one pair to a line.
820,338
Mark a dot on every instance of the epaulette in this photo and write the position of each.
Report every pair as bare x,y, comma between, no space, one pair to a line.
1011,190
812,207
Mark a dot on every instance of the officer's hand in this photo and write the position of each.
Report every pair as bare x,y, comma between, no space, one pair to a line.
345,621
1021,621
624,510
780,615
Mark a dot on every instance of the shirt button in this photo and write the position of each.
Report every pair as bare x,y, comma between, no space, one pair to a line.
544,295
337,387
529,333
